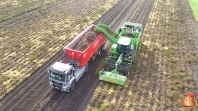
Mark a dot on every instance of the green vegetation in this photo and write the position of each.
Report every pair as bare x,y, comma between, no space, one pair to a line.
168,52
1,80
194,6
18,14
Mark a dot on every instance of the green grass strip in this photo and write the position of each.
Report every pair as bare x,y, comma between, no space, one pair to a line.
194,6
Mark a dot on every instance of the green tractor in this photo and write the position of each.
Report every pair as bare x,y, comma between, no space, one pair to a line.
122,52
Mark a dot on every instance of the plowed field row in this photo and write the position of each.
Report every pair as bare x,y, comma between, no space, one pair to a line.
12,9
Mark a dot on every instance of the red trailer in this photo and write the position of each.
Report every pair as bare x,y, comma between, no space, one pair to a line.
80,58
63,76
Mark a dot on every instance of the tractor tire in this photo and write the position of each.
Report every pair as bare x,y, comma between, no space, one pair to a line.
72,85
127,73
127,70
106,66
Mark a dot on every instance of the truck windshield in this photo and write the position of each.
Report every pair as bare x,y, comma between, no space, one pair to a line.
56,76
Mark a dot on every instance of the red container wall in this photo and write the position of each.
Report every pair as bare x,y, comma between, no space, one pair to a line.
85,56
73,54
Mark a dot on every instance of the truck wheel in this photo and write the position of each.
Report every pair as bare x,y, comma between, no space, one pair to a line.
86,67
73,85
99,52
94,56
103,47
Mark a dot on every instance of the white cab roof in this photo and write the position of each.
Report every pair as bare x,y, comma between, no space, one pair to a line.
61,66
124,40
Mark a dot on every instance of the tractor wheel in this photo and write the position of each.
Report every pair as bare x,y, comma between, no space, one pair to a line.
73,85
106,66
128,70
127,73
103,47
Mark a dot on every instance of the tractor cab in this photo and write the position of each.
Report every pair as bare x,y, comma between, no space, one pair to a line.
124,45
123,48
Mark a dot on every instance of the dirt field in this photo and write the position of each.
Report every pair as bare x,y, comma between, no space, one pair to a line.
36,87
30,38
165,67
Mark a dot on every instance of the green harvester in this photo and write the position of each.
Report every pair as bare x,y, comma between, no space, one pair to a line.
122,52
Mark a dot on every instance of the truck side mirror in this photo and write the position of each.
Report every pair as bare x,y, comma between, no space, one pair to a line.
69,77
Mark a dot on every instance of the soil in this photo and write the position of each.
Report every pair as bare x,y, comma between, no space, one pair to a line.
35,94
149,87
88,38
164,68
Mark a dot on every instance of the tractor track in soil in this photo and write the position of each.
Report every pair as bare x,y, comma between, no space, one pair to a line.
35,94
193,29
145,10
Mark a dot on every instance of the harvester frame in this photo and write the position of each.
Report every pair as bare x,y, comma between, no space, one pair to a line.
122,52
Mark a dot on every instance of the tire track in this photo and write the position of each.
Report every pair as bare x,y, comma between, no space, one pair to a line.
193,29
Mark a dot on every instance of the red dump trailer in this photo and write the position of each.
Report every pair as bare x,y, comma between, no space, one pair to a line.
82,49
81,57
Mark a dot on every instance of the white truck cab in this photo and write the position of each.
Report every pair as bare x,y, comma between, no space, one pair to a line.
64,76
